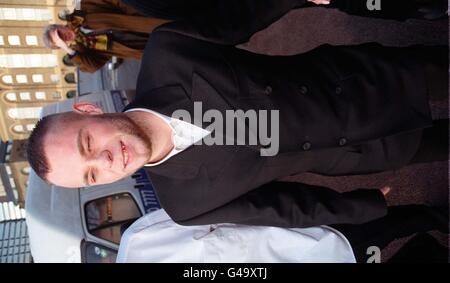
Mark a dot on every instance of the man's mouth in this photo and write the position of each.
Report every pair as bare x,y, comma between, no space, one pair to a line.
124,154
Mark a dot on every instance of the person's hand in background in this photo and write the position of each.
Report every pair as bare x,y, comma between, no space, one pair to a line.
385,190
320,2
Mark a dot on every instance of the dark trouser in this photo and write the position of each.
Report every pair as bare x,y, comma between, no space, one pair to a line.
434,143
401,221
422,248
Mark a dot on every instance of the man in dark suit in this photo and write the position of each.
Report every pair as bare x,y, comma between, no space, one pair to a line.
342,110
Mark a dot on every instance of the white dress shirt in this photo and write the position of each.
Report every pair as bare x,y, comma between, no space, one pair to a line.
184,134
156,238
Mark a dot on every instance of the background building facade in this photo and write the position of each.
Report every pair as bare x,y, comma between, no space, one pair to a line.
14,242
31,76
14,171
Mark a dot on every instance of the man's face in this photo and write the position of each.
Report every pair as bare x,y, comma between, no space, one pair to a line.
91,150
61,34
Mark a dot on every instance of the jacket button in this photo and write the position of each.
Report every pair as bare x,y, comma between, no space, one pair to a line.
338,90
268,90
306,146
303,89
342,141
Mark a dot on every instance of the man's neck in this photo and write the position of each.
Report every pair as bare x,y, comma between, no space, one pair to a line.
158,132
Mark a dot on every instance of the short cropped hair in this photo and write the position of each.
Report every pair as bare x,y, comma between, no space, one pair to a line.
35,149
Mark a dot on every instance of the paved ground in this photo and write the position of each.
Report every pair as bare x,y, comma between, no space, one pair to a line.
302,30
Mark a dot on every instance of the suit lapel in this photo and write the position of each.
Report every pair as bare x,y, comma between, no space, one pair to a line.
168,99
212,99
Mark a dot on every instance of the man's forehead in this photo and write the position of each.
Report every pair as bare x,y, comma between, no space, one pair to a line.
64,161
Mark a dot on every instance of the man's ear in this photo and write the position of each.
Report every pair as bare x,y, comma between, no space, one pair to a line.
87,108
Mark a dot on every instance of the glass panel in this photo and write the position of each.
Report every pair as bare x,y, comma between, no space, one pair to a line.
54,78
13,113
70,78
12,182
25,96
18,128
11,96
7,79
108,217
40,95
24,113
13,40
56,95
27,60
26,14
31,40
66,60
95,253
7,13
37,78
30,127
21,79
41,60
2,41
71,94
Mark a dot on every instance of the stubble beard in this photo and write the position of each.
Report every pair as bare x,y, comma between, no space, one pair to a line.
127,126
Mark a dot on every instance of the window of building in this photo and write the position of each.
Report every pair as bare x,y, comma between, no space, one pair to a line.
70,78
11,96
66,60
56,95
71,94
24,112
54,78
18,129
7,79
40,95
21,79
7,157
25,96
28,60
2,41
13,40
8,169
25,14
30,127
37,78
108,217
41,60
12,182
31,40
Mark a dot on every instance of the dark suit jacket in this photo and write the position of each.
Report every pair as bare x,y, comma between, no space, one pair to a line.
343,110
209,9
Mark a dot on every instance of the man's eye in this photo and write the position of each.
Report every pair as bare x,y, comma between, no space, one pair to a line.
89,144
